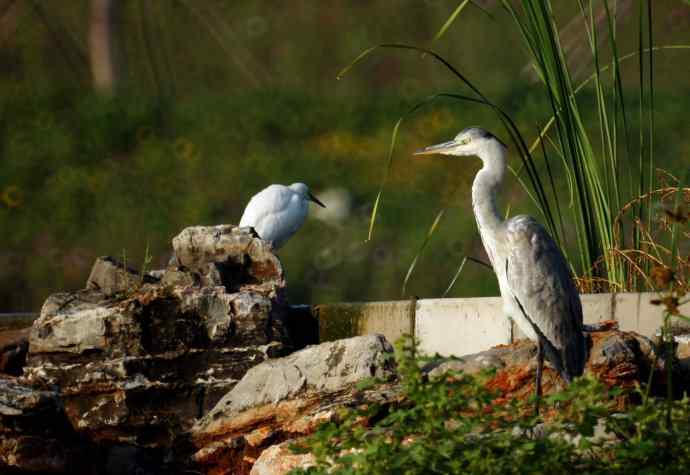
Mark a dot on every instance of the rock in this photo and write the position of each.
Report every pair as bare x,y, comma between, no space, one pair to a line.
13,352
290,396
134,362
178,276
229,256
35,435
249,419
155,361
127,460
615,357
279,460
111,277
621,359
282,400
683,346
86,321
471,364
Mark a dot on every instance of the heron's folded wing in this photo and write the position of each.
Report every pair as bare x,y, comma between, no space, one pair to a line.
542,285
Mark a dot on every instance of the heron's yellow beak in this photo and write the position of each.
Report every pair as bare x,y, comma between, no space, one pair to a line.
438,148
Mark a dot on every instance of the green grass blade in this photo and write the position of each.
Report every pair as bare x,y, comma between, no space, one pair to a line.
389,167
418,49
455,277
356,61
391,149
454,16
427,238
451,19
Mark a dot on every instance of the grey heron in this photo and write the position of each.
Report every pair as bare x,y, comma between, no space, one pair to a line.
535,282
278,211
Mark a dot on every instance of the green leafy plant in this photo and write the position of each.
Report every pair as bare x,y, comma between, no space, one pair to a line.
452,424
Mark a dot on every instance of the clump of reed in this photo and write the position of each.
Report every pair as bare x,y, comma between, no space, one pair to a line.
604,220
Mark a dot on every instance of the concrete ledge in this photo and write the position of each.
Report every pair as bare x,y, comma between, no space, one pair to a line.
342,320
464,326
461,326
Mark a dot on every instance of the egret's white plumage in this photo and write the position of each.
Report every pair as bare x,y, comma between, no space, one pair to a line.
278,211
533,276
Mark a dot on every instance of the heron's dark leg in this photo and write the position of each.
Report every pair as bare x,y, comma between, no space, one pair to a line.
540,368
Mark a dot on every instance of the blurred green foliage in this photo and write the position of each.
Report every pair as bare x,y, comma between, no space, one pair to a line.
220,99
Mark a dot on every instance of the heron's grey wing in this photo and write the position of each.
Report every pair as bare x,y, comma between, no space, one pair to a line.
543,288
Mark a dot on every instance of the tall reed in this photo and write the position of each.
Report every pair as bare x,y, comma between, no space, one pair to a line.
597,158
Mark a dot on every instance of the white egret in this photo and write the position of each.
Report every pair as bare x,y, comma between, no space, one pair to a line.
278,211
536,284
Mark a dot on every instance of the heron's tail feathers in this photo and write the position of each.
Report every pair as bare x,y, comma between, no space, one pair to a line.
574,357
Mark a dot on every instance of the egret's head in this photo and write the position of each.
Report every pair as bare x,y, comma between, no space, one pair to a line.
303,190
470,141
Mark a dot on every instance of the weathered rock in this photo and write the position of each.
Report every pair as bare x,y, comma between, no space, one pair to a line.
235,433
110,277
617,358
14,342
135,361
37,438
13,350
35,435
86,321
279,460
230,256
282,398
178,276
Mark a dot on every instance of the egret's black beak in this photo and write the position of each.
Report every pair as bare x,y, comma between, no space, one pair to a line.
438,148
315,200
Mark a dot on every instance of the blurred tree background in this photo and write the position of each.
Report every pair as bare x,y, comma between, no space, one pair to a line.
124,121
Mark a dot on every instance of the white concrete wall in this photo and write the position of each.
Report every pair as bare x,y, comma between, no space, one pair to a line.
461,326
465,326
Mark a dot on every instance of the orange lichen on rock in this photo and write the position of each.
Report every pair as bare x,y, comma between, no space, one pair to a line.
616,358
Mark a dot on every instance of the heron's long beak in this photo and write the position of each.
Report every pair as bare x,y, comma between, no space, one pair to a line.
438,148
315,200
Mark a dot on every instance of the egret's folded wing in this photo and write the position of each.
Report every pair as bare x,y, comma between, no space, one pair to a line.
274,214
263,205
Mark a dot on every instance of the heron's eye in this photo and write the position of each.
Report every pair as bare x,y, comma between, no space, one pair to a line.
465,141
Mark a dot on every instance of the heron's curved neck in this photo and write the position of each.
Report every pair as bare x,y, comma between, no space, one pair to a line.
486,185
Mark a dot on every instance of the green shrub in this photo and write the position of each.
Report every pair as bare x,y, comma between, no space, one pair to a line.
453,424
